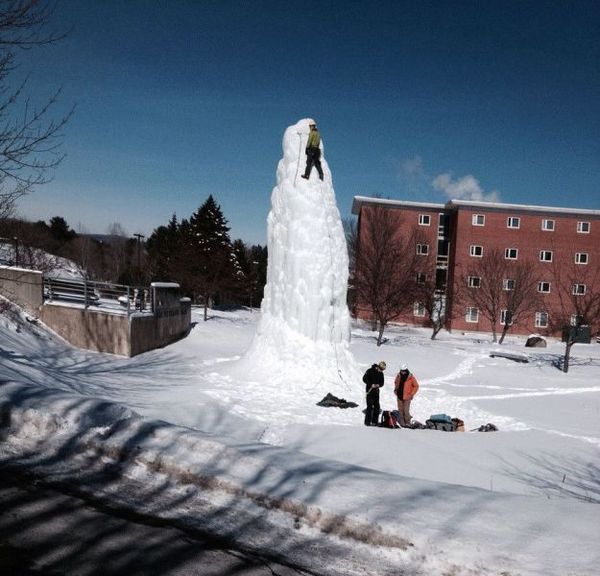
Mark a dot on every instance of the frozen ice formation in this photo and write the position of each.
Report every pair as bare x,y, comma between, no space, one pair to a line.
304,329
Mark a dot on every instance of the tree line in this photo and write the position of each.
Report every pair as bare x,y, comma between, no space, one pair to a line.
195,252
198,253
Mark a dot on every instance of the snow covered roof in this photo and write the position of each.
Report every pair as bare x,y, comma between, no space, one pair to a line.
454,203
520,207
359,200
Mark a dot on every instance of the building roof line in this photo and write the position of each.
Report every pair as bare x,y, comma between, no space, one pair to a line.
358,200
522,207
455,203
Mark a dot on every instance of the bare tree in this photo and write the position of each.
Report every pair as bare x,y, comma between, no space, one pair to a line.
503,290
523,299
80,252
577,303
29,137
386,265
350,226
484,281
351,234
440,303
116,248
24,243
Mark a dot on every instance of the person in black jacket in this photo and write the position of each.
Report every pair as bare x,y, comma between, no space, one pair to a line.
373,379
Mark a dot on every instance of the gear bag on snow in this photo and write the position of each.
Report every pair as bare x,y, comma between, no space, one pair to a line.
489,427
389,419
331,400
445,423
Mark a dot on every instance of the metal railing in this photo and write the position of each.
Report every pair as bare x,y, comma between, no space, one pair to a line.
105,295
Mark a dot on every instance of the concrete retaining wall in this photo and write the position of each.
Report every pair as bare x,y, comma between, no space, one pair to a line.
89,329
23,287
162,328
94,329
116,333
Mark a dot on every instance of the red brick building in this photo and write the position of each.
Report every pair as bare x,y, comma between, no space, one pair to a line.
459,242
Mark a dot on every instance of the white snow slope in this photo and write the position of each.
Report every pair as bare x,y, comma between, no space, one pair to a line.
174,433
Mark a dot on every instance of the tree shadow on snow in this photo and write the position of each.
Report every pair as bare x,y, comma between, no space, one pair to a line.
94,470
557,360
92,373
99,461
264,521
559,477
90,538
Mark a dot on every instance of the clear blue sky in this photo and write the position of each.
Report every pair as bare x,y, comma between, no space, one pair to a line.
177,100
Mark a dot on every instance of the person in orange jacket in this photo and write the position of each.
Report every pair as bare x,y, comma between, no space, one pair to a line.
405,388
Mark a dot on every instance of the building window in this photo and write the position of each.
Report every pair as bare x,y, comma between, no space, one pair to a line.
474,281
472,315
421,278
544,287
419,309
506,317
422,249
476,251
508,284
581,258
424,219
478,220
583,227
513,222
511,253
541,319
548,225
546,255
578,289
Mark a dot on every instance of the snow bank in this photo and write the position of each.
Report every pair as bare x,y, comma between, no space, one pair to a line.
319,512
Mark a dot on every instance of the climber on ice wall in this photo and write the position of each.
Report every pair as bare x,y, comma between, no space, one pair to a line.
313,151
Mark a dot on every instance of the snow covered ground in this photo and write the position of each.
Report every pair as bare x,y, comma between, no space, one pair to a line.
181,433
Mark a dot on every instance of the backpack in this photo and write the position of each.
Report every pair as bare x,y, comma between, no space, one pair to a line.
388,419
441,422
459,425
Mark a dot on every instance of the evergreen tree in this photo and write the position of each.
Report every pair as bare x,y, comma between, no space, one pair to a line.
164,251
258,261
199,255
60,231
212,262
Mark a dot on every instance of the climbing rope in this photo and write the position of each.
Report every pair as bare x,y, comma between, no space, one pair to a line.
299,153
331,259
333,323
